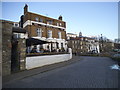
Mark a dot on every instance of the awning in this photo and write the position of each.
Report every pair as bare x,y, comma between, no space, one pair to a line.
33,41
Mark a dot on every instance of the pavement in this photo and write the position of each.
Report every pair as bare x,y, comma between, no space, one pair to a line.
27,73
79,72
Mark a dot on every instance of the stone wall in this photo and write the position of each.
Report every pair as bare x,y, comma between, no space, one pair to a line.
0,55
22,55
6,48
18,54
13,50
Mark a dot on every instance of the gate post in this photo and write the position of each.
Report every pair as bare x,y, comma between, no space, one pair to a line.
22,54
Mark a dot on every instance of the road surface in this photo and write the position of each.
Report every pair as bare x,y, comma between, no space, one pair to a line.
91,72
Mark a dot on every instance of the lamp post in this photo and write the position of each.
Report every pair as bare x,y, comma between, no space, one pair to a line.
101,43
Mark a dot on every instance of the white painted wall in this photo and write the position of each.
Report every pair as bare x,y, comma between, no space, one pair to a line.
38,61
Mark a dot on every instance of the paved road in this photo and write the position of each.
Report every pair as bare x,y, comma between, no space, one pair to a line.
91,72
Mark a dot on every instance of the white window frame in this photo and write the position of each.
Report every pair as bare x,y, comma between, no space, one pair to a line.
57,24
59,35
60,24
36,19
49,33
39,32
41,20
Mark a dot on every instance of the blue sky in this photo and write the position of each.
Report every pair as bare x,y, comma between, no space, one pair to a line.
91,18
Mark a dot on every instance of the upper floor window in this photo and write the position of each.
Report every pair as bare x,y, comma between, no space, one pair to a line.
41,20
39,32
57,24
59,35
49,22
82,39
16,25
60,24
37,19
49,34
16,35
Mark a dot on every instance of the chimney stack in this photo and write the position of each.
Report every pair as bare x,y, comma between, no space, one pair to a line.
25,8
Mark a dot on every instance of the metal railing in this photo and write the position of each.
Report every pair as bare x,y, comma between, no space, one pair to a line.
45,53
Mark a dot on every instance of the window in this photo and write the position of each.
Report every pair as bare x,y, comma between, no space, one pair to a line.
59,35
39,32
80,43
49,34
16,25
41,20
82,39
81,47
49,22
57,45
60,24
57,24
16,35
61,45
73,46
72,42
36,18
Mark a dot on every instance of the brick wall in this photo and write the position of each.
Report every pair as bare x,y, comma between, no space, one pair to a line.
32,28
32,31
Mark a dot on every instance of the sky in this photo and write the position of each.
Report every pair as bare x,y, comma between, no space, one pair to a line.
90,18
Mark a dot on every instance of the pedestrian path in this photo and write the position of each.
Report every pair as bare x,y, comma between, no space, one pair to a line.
27,73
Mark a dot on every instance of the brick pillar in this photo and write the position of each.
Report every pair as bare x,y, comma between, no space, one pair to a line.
6,48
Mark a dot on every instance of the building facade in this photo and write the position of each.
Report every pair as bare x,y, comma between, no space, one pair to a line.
78,45
83,45
93,45
46,29
69,35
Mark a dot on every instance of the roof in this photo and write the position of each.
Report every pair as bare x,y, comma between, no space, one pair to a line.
72,33
8,21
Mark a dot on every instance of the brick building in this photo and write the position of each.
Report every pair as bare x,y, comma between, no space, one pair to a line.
46,29
83,45
78,44
69,35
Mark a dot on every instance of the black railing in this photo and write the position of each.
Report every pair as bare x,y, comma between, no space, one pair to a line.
45,53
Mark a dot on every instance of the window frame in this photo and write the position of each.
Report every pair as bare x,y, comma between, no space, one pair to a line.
49,33
59,35
36,19
39,32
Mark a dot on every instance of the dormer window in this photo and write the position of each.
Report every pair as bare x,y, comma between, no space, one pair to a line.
37,19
